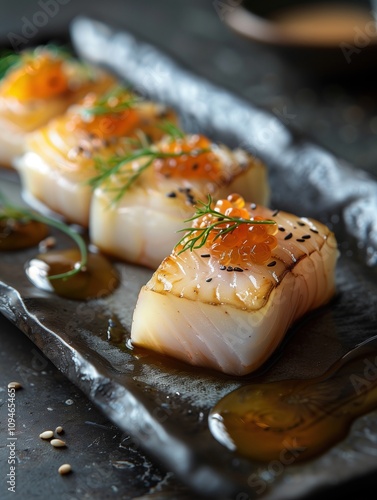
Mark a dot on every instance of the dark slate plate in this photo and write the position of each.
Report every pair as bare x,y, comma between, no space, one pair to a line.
164,404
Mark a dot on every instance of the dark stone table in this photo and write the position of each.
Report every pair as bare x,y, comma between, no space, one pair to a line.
338,112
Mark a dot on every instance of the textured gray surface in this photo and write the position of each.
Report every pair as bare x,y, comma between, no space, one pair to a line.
165,405
341,114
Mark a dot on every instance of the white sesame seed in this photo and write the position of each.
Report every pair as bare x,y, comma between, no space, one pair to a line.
14,385
64,469
57,443
46,435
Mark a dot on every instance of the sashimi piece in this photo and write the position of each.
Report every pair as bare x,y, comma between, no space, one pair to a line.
137,211
228,304
63,156
39,85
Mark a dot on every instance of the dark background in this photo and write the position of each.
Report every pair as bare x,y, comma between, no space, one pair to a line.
338,110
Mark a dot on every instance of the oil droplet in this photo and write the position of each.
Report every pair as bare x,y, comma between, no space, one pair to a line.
296,420
97,280
115,332
18,234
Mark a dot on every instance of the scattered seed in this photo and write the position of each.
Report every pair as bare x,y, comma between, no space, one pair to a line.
208,280
65,469
46,435
306,237
14,385
57,443
238,269
272,263
300,223
281,228
300,240
59,430
275,212
222,268
313,230
289,236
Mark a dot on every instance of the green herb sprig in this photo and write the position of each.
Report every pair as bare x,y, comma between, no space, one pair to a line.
25,215
196,237
112,166
172,130
7,60
103,107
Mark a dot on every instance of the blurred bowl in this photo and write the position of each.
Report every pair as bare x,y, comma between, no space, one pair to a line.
319,36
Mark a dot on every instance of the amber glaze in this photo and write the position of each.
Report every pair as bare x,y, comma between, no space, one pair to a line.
98,279
18,234
296,420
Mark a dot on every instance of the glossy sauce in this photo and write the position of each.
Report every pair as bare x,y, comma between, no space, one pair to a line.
116,334
97,280
296,420
18,235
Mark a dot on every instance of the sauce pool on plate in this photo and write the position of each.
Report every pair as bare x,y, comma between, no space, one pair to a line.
296,420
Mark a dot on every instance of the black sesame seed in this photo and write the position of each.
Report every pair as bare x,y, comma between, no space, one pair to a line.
208,280
205,255
289,236
229,268
306,236
300,223
313,230
238,270
272,263
172,195
275,212
300,240
282,229
222,268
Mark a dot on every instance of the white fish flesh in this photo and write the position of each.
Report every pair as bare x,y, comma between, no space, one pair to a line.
142,226
232,318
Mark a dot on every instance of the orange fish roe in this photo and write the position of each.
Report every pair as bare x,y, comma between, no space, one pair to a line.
108,123
40,77
197,164
248,243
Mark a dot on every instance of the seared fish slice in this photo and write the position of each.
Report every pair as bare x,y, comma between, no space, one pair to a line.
138,220
228,304
38,86
62,157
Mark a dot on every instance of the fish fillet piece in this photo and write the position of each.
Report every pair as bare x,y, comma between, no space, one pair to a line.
232,317
142,225
62,157
40,85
